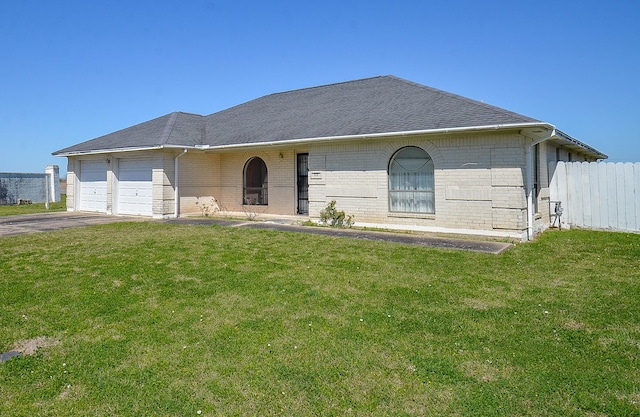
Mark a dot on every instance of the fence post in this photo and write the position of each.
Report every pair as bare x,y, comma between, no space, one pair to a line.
46,191
630,191
636,181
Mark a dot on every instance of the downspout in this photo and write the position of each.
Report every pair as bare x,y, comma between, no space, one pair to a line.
530,191
176,209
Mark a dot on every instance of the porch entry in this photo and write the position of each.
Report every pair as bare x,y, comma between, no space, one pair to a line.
303,183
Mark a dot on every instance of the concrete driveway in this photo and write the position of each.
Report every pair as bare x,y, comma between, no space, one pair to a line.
45,222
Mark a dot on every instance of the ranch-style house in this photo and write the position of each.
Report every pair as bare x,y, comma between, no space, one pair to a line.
390,152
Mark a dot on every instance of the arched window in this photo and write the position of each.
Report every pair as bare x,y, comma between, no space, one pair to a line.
255,182
411,183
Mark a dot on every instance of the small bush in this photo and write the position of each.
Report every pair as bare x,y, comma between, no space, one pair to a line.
209,209
335,218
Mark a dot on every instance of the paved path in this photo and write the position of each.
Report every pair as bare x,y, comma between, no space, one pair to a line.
44,222
406,238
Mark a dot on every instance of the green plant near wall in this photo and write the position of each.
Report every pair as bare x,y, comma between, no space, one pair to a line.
333,217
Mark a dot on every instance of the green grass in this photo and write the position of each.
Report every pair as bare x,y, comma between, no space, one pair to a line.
154,319
15,209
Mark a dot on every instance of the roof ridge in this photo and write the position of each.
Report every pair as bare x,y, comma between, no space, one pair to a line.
168,128
173,117
187,113
453,96
328,85
459,97
295,90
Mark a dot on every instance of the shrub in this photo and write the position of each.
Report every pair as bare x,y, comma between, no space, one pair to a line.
335,218
209,209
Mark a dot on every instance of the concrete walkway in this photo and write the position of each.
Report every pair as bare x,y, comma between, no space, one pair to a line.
44,222
418,239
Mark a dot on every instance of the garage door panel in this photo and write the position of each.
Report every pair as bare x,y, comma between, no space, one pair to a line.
135,187
93,186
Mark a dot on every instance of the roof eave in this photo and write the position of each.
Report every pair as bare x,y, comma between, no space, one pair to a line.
552,134
575,143
529,127
114,150
507,126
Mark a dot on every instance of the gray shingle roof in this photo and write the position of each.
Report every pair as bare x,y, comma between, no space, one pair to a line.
375,105
368,106
173,129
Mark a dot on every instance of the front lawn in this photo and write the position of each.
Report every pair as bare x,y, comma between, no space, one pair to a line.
14,209
148,319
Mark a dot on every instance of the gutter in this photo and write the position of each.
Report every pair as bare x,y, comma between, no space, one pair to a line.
316,139
375,135
574,141
101,151
176,209
529,168
558,134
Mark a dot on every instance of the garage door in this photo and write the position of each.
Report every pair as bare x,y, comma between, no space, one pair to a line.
93,186
135,187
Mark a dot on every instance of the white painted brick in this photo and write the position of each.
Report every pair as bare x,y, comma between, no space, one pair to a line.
479,180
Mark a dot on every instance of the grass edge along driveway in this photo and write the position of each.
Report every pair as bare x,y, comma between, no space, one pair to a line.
14,209
153,319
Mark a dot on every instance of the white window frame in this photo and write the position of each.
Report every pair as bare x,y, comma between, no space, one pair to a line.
253,195
412,182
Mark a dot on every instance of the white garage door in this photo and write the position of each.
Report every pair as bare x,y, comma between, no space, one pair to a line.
93,186
135,187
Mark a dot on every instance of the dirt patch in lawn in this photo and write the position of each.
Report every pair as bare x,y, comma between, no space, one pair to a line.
30,346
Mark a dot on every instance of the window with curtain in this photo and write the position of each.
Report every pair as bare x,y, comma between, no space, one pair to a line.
255,191
411,182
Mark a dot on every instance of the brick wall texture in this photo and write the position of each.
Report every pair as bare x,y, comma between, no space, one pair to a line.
480,180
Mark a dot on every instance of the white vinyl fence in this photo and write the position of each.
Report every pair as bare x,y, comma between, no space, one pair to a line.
598,195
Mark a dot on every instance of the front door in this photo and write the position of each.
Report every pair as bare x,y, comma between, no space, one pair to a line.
303,183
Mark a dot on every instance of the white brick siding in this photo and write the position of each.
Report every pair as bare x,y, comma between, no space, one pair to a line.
72,164
281,181
198,177
479,181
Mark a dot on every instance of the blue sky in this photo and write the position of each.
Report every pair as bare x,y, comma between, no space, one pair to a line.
74,70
